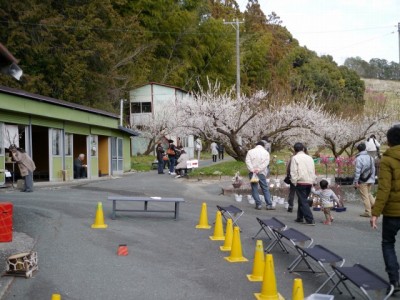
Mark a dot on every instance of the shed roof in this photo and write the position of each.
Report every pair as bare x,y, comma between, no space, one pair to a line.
36,97
162,84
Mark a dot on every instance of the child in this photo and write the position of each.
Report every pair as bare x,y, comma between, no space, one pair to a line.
328,197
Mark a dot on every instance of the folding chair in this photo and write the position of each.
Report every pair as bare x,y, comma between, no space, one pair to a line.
321,256
267,225
232,212
294,237
364,279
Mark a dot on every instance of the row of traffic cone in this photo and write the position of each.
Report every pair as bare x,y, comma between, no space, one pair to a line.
263,269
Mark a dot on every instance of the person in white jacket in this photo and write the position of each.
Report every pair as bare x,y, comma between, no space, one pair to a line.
372,146
257,161
302,176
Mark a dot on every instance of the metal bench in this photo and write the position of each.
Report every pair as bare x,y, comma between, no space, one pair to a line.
146,201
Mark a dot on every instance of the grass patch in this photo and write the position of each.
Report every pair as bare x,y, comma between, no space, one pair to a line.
142,162
228,168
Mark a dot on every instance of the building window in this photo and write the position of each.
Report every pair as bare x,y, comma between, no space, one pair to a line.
140,107
56,138
68,144
117,159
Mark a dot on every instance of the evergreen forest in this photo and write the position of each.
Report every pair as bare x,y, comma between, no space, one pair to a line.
92,52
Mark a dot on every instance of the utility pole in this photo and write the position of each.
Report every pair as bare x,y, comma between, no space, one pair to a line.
398,29
236,24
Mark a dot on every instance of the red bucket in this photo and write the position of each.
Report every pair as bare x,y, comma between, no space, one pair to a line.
6,213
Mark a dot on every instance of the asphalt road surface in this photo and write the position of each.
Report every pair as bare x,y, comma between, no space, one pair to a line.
167,259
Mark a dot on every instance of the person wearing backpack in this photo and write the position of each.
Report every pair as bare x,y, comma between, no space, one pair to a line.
364,177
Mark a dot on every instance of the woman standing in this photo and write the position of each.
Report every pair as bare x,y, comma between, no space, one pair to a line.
26,166
214,151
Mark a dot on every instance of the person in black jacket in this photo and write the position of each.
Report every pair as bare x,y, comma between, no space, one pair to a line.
160,155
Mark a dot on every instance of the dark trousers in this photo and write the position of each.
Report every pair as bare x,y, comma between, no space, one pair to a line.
214,158
390,227
172,161
29,182
292,193
221,155
160,166
303,210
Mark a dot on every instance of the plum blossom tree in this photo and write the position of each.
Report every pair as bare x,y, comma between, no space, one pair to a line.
154,127
240,123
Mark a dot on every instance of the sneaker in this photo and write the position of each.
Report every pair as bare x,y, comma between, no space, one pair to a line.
299,221
173,173
396,289
270,207
169,172
365,215
312,223
258,207
290,209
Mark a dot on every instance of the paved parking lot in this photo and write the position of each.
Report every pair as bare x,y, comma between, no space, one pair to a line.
167,259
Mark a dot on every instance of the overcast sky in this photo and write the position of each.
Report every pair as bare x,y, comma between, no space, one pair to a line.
341,28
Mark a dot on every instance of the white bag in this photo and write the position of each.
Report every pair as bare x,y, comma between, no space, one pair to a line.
254,178
251,199
238,198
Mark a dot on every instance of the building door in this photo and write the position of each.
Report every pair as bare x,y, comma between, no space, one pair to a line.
56,151
80,146
117,161
104,157
41,152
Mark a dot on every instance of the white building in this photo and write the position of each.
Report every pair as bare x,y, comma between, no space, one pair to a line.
148,100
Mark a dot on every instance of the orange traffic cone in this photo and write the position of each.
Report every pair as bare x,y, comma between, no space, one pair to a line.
203,221
122,250
56,297
236,251
99,220
268,289
228,236
297,293
258,264
218,230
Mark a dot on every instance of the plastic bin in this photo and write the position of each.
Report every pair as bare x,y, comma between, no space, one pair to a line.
320,297
6,213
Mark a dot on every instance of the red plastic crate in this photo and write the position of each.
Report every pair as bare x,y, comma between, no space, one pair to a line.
6,214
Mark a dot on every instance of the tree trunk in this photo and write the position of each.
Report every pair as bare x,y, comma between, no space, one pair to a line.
150,147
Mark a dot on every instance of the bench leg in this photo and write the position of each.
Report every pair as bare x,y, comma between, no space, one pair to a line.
176,210
114,207
145,205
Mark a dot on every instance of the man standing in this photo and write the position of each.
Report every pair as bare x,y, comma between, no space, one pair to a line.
257,161
302,176
388,204
364,177
80,167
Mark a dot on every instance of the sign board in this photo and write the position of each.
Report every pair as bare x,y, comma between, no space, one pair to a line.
192,164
